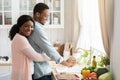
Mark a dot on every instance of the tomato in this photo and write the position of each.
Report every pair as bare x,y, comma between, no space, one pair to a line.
93,74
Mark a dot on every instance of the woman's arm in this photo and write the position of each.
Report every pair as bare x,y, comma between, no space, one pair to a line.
27,50
33,55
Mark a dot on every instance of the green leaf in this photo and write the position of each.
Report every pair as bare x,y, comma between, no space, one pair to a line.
86,54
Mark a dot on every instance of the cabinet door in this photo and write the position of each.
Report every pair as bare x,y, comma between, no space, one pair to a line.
5,12
56,18
56,10
10,11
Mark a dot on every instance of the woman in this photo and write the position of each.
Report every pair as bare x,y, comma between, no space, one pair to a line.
23,54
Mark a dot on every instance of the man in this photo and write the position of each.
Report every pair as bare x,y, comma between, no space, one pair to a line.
39,41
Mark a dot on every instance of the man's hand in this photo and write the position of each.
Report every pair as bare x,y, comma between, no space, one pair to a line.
71,61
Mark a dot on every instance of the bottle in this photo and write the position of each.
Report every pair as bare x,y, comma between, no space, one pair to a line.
94,63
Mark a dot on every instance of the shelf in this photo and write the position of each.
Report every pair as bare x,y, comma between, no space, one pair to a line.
5,64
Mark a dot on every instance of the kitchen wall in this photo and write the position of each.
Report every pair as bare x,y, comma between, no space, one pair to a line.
4,43
115,47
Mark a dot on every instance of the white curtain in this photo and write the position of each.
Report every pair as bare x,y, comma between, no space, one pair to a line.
72,23
106,9
75,22
90,34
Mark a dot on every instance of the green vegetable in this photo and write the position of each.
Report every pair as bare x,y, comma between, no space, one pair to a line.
105,76
106,60
101,71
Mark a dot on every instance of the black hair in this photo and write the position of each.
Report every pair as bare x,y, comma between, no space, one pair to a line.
40,7
21,20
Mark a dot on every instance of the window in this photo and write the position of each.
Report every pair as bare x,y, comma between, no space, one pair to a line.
90,33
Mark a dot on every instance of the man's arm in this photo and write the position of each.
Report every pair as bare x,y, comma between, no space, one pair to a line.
40,39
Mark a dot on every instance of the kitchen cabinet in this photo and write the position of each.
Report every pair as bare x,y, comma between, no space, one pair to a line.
5,12
10,10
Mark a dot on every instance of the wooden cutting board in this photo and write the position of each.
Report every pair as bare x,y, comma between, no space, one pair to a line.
65,76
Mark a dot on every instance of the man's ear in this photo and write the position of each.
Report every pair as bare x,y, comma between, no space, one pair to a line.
38,14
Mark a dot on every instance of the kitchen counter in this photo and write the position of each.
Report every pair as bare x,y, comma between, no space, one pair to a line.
5,70
61,72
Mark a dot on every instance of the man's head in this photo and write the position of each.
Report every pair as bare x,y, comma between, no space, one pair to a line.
41,13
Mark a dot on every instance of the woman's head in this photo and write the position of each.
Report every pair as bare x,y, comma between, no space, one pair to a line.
24,26
41,13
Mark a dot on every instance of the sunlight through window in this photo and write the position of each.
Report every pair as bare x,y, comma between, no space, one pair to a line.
90,33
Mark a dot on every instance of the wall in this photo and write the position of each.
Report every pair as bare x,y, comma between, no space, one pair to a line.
115,47
55,34
4,43
5,49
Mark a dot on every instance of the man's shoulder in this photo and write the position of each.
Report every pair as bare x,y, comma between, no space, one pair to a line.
39,29
38,25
